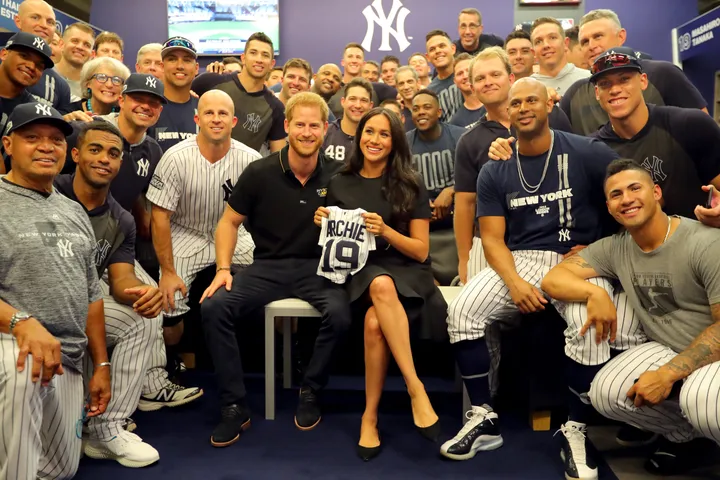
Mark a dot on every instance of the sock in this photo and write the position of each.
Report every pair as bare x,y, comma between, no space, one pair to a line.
579,377
473,359
171,355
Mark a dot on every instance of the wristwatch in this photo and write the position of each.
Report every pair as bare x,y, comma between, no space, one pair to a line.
18,317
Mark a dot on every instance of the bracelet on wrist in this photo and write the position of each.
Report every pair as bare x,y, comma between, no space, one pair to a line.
222,268
103,364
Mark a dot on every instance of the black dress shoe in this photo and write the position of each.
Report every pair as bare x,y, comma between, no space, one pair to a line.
432,432
307,415
368,453
235,420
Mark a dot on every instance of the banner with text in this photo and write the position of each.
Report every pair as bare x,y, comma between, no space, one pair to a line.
700,35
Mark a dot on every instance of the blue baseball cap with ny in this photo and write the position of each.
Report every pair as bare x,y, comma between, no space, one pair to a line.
145,83
30,113
31,42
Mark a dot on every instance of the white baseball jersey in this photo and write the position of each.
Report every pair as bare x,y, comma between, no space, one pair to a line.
346,244
196,191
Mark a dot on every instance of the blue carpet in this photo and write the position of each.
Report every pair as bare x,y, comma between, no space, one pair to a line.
278,450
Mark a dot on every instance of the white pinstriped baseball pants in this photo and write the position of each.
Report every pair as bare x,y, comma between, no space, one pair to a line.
486,300
39,426
695,413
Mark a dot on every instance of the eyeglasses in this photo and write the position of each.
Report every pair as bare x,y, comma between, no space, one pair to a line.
103,78
613,60
179,42
470,26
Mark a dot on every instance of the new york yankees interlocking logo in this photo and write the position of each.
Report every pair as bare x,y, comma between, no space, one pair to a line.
227,190
102,247
252,124
375,15
65,247
39,43
564,235
654,168
41,109
143,167
151,82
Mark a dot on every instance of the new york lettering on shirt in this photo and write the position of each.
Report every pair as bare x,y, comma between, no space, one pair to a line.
346,243
176,123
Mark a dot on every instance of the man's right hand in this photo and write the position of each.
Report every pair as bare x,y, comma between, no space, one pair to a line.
215,67
33,339
168,285
501,149
527,298
222,277
602,313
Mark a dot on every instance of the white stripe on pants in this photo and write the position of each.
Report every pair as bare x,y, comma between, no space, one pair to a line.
38,425
131,337
476,262
695,413
187,269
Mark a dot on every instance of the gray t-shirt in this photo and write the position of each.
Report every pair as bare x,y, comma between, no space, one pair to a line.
671,288
47,265
450,96
564,79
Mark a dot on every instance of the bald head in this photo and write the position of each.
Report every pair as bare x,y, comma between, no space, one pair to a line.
529,84
36,17
328,80
529,108
215,118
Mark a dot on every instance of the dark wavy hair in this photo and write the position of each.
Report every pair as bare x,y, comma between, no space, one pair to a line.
400,186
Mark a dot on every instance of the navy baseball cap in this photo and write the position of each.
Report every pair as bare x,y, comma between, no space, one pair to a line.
178,43
29,113
615,59
145,83
34,43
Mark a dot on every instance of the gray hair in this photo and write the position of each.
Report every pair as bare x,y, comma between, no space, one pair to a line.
407,68
150,47
600,14
95,64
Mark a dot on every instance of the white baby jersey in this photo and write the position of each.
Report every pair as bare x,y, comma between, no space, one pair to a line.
346,243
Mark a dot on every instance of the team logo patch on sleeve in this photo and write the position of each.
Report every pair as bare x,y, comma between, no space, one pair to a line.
156,182
322,192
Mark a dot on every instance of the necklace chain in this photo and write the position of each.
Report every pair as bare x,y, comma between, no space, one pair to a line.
667,234
527,186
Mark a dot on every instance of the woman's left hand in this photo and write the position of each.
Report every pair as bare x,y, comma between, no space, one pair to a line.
374,224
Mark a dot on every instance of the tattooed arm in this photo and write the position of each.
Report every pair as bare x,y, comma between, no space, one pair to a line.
704,350
566,281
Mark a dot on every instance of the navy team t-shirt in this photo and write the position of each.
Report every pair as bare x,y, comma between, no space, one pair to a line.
569,207
176,123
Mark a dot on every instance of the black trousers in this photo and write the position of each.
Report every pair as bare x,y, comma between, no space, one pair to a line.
254,287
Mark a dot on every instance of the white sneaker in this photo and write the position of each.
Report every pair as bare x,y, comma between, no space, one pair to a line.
126,448
172,395
579,465
480,433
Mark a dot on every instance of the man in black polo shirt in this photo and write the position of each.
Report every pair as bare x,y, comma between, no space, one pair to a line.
679,147
491,79
275,198
600,30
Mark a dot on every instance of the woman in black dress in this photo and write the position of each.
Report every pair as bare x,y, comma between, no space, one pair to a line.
395,287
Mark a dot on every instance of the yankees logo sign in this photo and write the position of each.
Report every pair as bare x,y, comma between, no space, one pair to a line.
375,15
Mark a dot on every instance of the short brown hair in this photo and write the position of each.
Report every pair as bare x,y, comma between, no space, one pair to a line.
390,58
518,35
261,37
353,45
231,60
436,33
572,34
306,99
461,57
83,27
298,63
543,21
359,82
109,37
415,55
471,11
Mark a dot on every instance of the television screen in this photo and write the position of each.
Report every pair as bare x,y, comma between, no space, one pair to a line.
222,27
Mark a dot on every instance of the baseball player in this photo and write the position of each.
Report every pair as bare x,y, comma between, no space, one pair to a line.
546,201
356,102
669,269
51,308
345,242
440,52
188,192
131,306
